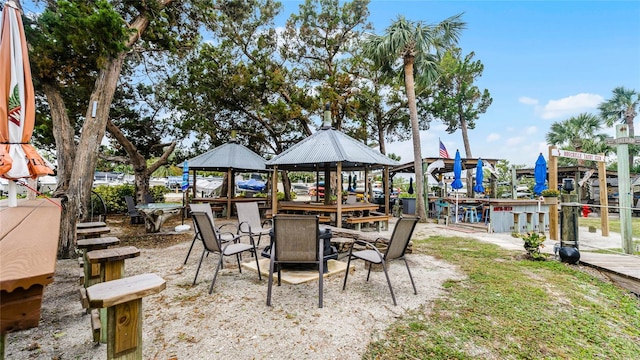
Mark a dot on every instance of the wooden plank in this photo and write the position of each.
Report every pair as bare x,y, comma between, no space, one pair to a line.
115,292
112,254
97,243
92,224
28,244
95,325
93,231
127,326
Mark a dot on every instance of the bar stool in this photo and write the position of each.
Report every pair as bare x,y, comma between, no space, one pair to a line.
516,221
470,214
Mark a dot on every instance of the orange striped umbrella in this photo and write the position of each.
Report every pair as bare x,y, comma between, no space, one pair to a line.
18,158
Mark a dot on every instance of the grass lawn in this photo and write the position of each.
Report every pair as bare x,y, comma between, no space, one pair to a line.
512,308
614,224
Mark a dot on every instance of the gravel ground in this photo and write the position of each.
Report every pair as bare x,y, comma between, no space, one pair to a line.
185,322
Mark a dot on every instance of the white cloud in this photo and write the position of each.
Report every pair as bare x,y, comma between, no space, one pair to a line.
527,100
493,137
571,105
531,130
514,141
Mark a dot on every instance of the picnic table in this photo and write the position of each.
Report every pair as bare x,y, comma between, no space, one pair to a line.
28,249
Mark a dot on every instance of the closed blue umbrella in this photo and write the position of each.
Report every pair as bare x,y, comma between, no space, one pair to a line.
349,184
457,172
540,175
479,178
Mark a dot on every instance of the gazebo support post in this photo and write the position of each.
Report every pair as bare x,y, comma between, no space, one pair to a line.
339,195
274,191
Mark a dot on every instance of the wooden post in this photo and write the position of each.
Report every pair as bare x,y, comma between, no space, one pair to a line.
274,191
604,198
624,190
553,184
111,263
123,300
338,194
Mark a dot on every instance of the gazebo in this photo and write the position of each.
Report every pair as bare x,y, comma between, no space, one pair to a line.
231,158
330,150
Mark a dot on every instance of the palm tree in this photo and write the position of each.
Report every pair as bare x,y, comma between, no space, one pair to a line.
621,108
578,133
417,45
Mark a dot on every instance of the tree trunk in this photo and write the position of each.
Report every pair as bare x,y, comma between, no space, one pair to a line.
80,177
142,173
415,134
467,151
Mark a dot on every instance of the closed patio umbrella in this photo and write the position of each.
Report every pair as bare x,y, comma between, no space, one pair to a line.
457,174
410,191
479,178
540,175
18,158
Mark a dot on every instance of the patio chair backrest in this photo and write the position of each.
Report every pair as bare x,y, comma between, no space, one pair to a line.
131,205
400,238
207,231
248,214
205,208
148,199
296,238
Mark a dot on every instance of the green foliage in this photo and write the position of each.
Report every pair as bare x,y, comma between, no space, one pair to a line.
113,197
533,242
550,193
158,192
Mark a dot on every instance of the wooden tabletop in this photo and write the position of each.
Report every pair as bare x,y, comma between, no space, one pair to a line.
112,254
28,243
119,291
89,225
97,243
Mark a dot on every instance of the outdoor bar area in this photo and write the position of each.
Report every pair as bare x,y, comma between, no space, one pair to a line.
474,205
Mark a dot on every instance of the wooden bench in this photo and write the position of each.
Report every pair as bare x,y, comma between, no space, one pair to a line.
379,220
111,263
89,225
92,271
123,300
92,232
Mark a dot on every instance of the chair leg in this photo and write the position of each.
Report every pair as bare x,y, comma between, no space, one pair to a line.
369,272
386,274
411,277
190,248
257,264
270,281
215,275
346,274
199,264
238,259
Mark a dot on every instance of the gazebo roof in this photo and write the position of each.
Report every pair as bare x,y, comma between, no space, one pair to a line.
228,156
329,146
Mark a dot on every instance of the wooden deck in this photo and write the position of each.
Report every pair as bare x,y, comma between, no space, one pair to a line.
624,270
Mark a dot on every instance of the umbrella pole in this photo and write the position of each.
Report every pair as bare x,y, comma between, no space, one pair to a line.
13,194
456,206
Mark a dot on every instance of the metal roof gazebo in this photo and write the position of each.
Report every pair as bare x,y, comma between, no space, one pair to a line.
231,157
326,150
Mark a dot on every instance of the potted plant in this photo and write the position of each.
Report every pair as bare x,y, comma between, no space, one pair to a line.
333,199
550,196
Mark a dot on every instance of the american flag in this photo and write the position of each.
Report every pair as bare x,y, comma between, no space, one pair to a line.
443,151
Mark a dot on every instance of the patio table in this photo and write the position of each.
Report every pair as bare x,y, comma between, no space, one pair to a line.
155,214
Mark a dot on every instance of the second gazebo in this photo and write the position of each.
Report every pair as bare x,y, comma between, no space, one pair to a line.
330,150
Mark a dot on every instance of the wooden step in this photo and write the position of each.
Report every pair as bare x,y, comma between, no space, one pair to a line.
84,300
95,325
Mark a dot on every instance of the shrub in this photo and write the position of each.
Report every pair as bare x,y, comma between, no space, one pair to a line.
533,242
550,193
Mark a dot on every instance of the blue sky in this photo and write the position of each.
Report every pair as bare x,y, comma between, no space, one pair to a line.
545,61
